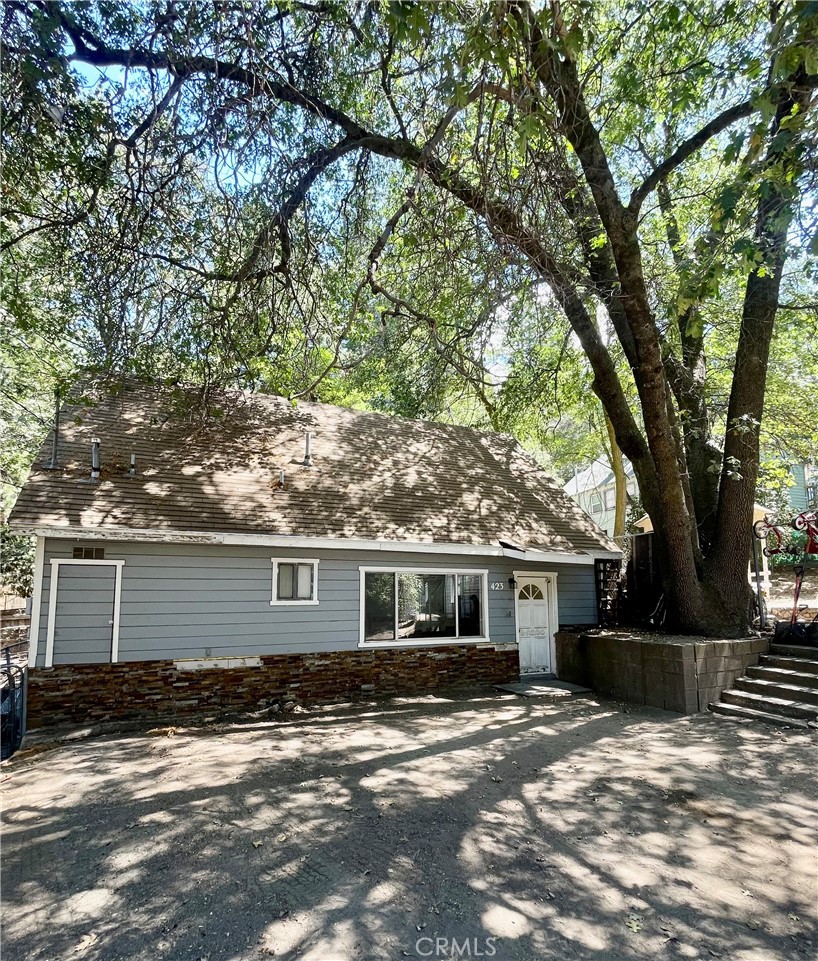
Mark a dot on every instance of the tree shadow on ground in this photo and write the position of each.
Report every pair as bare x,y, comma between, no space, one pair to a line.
571,830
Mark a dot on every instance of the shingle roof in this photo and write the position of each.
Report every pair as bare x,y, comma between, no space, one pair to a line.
375,477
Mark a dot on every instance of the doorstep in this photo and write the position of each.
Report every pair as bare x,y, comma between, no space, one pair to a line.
533,686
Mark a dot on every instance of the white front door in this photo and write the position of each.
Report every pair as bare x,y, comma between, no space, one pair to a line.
534,624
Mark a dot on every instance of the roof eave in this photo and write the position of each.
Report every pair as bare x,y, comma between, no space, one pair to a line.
331,543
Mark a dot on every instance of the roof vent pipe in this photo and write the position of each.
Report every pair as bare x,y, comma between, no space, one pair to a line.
95,458
281,480
132,468
56,438
308,449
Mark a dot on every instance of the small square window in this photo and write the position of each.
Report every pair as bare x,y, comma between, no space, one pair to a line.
294,582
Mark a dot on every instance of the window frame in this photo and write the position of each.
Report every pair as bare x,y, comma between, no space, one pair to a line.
395,570
293,602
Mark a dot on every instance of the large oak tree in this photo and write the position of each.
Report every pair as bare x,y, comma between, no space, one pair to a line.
239,182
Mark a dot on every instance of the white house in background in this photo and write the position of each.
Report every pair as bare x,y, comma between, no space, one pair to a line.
594,489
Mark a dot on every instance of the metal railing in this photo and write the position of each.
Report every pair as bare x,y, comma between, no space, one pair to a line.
13,670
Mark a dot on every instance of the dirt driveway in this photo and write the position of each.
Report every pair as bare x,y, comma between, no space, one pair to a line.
488,826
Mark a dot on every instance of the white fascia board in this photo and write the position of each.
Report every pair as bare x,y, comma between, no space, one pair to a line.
329,543
161,536
556,557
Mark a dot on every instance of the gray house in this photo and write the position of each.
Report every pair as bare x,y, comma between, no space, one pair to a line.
267,553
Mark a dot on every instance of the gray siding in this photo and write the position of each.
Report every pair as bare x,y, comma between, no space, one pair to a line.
184,600
797,494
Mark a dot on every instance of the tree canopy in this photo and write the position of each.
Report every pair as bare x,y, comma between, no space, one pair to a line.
496,213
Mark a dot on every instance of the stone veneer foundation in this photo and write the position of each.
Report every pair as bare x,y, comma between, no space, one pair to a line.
682,674
157,690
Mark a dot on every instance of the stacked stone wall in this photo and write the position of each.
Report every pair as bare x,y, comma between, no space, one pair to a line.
147,690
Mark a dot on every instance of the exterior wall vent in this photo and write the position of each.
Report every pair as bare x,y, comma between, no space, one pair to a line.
88,554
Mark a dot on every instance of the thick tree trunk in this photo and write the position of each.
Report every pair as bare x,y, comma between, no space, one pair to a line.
695,590
671,520
727,565
684,477
687,380
620,480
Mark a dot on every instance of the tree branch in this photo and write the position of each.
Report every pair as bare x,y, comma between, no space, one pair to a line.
317,163
711,129
256,85
110,152
688,147
501,219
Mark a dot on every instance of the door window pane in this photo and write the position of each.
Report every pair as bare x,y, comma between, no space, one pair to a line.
426,605
379,606
470,601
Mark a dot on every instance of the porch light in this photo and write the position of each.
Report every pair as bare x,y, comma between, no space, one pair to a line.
512,583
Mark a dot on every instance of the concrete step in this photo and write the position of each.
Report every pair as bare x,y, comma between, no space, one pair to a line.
800,664
795,650
782,675
772,705
767,688
739,713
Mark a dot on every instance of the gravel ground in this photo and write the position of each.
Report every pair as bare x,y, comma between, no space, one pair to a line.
486,826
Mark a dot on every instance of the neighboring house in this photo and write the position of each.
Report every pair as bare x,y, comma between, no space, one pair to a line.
274,553
803,494
594,489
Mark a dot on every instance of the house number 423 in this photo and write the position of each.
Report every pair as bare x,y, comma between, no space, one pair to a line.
498,586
